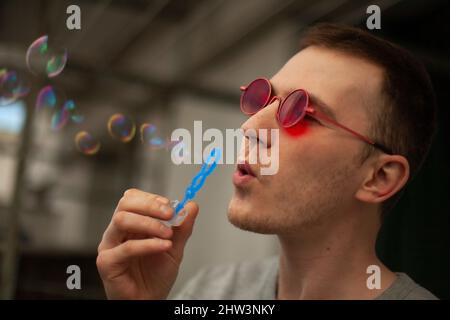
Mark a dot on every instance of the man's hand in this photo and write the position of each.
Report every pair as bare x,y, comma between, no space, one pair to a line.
139,257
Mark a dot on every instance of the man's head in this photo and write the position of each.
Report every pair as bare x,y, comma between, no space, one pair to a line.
370,86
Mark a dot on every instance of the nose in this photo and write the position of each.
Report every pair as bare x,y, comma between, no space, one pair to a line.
264,119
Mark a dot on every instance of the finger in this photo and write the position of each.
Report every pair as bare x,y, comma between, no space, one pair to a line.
145,203
125,222
139,248
183,232
112,258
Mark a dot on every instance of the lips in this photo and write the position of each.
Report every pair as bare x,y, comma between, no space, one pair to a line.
243,175
245,169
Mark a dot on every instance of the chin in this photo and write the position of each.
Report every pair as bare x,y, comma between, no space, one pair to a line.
244,216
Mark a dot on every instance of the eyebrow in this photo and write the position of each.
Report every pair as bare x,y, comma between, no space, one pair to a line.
322,106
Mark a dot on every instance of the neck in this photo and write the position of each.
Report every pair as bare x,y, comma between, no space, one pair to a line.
329,260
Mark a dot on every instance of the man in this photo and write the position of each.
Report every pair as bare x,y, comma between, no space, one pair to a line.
345,155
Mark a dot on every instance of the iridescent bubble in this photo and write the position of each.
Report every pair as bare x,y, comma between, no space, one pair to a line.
59,119
13,86
43,58
62,110
51,98
69,105
86,143
148,138
146,130
121,127
157,142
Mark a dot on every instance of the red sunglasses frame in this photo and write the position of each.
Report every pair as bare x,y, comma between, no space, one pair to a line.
308,110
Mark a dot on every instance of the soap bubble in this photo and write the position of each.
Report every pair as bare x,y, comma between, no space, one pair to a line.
86,143
44,58
121,127
53,99
63,110
149,138
69,105
59,119
13,86
50,97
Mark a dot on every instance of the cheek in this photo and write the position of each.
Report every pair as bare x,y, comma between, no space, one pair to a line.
300,129
306,156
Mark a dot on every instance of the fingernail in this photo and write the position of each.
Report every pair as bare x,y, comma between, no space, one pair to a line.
184,212
165,243
164,208
164,228
162,200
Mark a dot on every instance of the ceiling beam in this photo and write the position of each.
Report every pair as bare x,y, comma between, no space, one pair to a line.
163,87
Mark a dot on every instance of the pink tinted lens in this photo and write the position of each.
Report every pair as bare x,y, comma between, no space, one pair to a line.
293,109
255,96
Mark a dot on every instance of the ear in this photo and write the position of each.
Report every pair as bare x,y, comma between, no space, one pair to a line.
387,175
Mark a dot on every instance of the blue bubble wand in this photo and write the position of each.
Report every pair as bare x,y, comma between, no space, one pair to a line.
195,185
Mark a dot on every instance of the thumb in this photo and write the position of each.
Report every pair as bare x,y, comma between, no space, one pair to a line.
182,232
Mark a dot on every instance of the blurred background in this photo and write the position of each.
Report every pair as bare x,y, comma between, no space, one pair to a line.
166,63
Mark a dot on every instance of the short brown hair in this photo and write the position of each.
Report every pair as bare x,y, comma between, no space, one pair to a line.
406,121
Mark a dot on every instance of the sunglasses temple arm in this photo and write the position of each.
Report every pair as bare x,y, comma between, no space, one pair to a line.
322,116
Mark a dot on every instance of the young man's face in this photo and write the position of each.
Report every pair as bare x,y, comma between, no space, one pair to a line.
320,167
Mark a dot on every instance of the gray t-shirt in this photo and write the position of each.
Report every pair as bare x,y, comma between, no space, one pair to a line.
257,280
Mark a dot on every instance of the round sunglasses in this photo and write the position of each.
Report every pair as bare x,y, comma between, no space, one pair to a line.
292,109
